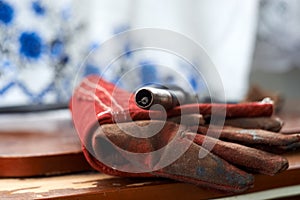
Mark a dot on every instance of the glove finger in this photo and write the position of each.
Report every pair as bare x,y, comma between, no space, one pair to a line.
188,120
249,158
209,171
253,109
265,123
254,137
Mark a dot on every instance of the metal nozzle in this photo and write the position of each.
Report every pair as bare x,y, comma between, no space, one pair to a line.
145,97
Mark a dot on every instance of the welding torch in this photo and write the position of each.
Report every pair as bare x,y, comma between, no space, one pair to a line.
168,97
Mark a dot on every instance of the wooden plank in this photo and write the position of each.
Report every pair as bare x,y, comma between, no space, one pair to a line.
101,186
31,146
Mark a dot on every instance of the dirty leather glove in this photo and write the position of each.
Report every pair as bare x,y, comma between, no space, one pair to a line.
106,116
210,171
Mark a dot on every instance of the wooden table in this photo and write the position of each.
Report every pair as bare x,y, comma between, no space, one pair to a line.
95,185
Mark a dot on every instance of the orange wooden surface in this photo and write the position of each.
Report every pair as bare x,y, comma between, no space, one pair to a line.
42,147
100,186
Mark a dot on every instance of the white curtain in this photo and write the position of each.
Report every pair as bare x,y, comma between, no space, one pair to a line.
226,30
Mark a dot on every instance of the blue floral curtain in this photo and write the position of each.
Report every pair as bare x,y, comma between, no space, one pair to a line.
39,51
44,44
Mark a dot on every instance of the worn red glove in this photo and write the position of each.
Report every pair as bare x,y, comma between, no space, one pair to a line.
97,102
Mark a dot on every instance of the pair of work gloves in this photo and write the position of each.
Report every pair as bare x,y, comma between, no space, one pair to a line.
184,143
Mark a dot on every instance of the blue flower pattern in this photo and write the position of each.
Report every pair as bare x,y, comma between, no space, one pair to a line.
31,45
148,72
91,69
57,48
38,8
6,13
36,50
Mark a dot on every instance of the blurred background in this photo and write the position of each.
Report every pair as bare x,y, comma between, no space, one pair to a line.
276,60
44,44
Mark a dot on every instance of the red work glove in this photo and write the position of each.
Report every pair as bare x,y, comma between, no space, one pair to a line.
103,115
